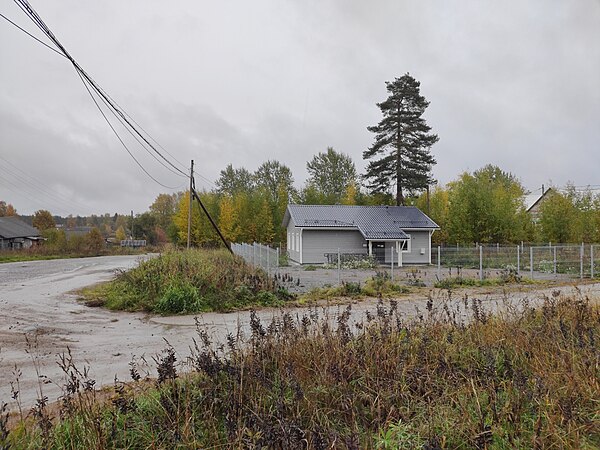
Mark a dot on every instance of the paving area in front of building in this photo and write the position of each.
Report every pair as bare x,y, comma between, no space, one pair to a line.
301,279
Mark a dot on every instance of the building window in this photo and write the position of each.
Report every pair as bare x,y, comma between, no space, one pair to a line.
405,245
289,241
293,240
298,242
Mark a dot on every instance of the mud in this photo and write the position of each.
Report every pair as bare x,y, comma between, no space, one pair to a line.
40,318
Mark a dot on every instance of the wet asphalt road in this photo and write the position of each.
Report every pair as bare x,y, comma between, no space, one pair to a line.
36,306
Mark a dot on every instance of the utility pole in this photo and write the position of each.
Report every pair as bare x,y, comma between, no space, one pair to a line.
132,224
189,230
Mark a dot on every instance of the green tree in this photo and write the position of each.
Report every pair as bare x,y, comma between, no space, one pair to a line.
43,220
570,216
163,208
487,206
275,185
330,173
437,208
144,227
56,240
233,181
94,242
401,151
271,177
557,218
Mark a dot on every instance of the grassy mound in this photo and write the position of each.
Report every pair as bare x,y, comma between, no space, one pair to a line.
188,281
529,379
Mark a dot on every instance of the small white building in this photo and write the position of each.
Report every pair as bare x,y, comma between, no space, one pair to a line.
398,233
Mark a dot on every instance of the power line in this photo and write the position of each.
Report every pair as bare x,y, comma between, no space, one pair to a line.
31,35
89,82
119,137
37,187
105,97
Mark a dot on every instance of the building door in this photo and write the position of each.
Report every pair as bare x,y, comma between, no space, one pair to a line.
379,252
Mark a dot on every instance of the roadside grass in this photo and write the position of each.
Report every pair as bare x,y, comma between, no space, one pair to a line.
9,257
43,254
454,377
186,282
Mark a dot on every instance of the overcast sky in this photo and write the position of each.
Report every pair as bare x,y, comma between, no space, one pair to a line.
513,83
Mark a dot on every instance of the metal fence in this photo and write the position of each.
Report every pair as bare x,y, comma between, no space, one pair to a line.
536,262
258,255
560,261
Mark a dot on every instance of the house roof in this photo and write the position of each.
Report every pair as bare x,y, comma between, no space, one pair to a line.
374,222
13,227
531,200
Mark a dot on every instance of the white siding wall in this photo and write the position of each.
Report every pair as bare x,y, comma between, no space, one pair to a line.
419,241
318,242
293,249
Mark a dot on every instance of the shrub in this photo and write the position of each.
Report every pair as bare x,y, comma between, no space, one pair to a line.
191,281
179,298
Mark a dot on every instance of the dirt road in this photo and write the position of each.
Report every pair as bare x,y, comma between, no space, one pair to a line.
35,305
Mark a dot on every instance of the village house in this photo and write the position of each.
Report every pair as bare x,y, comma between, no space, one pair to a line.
401,234
16,234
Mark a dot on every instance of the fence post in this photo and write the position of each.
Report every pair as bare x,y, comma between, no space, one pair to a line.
592,261
392,268
439,261
554,253
518,261
531,262
581,261
480,263
339,268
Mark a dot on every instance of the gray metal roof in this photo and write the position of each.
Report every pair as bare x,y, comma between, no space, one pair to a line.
13,227
374,222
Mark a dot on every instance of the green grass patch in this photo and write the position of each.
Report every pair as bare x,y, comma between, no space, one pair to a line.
186,282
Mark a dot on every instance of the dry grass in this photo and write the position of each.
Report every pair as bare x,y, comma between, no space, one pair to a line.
454,377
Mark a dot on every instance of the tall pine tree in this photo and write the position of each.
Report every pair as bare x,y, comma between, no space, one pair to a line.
401,151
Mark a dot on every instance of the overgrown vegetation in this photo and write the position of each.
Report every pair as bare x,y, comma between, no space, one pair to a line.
351,261
380,285
509,275
454,377
190,281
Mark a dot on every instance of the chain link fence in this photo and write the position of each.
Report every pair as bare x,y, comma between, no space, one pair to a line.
549,262
536,262
259,255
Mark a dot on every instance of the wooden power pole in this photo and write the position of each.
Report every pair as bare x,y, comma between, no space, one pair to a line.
189,230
